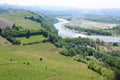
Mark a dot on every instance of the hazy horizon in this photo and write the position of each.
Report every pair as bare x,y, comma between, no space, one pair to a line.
67,3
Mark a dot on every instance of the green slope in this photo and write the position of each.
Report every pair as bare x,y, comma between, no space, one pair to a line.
17,17
14,64
18,62
19,21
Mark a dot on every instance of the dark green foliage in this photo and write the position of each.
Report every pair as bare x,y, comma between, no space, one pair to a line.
28,34
51,19
44,23
116,30
85,48
10,38
81,46
112,59
17,28
28,63
118,73
41,59
108,73
90,31
64,52
115,44
0,30
81,58
11,34
50,30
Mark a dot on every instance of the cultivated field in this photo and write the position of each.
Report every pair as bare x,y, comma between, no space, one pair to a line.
5,23
90,24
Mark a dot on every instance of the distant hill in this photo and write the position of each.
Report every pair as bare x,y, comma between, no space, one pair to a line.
52,10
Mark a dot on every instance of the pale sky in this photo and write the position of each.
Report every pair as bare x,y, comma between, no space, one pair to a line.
67,3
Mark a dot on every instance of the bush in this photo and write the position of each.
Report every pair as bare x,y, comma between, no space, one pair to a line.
28,63
108,73
64,52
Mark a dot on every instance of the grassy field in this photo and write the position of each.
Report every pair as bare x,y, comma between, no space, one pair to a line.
103,19
17,17
23,63
22,22
36,38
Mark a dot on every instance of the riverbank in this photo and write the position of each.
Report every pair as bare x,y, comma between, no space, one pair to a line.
64,32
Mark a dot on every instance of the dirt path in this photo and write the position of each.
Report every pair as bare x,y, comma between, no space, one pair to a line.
52,76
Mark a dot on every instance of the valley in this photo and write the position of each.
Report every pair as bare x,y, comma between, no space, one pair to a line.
45,47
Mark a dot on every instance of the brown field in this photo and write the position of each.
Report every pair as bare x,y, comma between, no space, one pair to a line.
3,41
90,24
5,23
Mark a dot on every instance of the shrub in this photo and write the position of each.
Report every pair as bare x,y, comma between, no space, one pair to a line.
28,63
41,59
108,73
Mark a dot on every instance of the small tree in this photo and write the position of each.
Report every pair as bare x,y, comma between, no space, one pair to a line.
28,63
115,44
41,59
13,26
0,30
28,34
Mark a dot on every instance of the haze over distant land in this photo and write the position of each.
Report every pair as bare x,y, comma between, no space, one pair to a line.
67,3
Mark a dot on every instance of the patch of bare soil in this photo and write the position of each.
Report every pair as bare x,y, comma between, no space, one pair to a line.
5,24
4,41
90,24
52,76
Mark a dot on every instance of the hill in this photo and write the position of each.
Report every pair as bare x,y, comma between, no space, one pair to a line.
23,63
37,61
38,53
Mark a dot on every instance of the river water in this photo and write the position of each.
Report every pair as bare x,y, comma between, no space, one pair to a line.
67,33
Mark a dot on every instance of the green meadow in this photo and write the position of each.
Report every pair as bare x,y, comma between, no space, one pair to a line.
35,38
18,18
23,63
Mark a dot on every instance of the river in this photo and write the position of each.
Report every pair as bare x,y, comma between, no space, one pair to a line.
68,33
